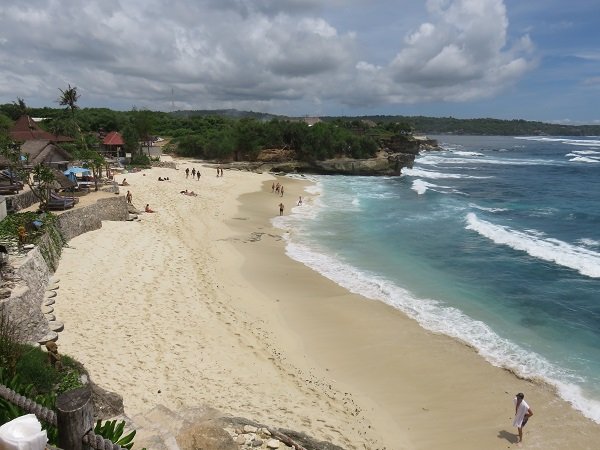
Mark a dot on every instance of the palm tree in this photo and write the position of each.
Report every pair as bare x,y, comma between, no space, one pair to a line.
69,99
20,106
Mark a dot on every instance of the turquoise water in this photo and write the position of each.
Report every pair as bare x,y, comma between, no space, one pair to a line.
494,241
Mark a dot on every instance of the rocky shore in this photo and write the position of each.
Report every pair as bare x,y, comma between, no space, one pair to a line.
389,161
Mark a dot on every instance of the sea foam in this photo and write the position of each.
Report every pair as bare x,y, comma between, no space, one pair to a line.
423,173
441,318
583,260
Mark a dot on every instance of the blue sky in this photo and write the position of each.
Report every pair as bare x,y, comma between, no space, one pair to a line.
507,59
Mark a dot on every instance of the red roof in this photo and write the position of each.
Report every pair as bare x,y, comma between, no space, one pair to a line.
25,129
113,138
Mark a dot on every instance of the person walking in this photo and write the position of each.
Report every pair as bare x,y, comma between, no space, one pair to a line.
129,198
522,414
187,172
281,207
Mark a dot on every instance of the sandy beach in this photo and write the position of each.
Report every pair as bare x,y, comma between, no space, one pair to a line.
198,304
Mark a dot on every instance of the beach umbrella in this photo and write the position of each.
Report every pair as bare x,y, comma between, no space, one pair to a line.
77,170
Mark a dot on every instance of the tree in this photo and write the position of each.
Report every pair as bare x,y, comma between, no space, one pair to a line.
131,139
20,106
43,177
69,99
142,121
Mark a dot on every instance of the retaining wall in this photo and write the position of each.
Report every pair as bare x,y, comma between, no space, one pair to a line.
34,270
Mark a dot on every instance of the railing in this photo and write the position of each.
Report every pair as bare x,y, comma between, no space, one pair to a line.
73,418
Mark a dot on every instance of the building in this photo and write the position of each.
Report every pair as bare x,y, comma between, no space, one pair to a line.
25,129
113,144
45,152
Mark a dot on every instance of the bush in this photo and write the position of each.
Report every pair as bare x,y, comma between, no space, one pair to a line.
34,368
11,350
11,223
140,160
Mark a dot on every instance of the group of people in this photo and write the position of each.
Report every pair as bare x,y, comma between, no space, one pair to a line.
195,173
277,188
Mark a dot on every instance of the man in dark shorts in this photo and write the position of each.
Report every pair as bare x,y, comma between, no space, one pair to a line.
522,414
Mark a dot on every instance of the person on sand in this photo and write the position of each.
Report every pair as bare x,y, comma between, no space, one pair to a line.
281,190
129,197
273,187
300,201
198,174
124,182
187,172
522,414
281,208
148,209
193,173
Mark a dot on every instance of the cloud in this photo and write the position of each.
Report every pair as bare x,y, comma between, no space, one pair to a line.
278,55
460,55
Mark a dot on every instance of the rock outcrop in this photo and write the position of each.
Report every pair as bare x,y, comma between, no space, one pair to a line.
396,153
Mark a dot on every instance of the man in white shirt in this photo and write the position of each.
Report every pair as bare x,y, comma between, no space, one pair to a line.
522,414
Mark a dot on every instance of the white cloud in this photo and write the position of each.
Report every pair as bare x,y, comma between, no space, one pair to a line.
262,54
460,55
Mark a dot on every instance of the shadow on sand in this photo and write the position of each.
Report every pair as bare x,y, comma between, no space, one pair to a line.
510,437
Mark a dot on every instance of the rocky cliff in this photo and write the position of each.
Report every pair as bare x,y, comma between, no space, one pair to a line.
395,154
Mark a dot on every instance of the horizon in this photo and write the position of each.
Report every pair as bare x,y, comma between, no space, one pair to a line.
497,59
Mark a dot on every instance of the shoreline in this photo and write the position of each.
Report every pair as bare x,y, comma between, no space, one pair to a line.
180,310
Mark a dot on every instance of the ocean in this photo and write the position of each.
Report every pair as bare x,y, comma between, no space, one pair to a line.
494,241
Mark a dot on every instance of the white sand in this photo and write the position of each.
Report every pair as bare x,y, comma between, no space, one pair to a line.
197,303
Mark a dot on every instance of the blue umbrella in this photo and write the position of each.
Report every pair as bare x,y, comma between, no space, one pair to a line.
76,170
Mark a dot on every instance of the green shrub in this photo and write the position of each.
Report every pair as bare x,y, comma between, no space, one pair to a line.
34,369
11,350
114,432
11,223
140,160
70,380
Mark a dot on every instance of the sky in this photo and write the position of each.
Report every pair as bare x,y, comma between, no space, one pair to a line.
505,59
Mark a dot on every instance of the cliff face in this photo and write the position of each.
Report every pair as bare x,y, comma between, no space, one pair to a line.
396,154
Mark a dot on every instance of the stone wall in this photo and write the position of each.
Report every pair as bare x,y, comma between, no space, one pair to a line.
24,304
32,272
167,164
20,201
74,222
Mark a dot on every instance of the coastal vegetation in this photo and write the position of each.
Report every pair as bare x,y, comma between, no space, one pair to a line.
231,135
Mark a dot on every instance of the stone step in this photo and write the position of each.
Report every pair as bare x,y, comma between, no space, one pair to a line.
47,309
56,326
52,336
50,317
50,294
49,301
52,287
54,280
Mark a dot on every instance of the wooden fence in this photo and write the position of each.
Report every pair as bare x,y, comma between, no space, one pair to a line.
74,418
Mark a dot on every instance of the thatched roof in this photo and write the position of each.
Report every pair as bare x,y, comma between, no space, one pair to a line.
25,129
64,181
44,151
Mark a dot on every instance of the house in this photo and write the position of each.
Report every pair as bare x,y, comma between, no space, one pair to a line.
45,152
25,129
112,144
